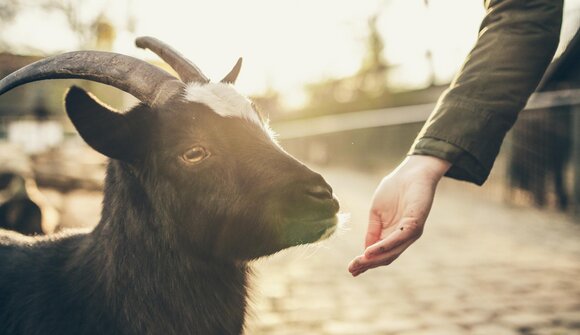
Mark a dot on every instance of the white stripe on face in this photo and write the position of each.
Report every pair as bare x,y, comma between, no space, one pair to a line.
223,99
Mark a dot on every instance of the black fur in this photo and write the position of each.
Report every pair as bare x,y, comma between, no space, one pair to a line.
170,253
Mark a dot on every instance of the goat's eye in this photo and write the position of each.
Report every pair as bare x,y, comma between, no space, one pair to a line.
195,155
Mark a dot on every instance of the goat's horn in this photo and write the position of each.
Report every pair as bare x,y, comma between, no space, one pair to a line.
146,82
186,70
231,77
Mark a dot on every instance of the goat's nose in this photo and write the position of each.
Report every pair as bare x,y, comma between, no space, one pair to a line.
321,192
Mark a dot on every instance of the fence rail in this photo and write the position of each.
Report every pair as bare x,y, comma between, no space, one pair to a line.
399,115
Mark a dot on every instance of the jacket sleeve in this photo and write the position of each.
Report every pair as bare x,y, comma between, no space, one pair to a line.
517,40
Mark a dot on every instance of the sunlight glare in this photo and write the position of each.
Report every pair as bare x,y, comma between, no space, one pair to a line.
285,44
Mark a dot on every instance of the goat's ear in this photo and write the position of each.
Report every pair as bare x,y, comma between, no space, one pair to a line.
105,130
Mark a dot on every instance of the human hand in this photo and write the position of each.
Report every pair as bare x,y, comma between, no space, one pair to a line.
399,209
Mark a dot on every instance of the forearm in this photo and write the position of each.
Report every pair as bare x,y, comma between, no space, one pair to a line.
433,168
516,43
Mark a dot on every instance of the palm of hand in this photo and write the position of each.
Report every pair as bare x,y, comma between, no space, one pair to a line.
399,209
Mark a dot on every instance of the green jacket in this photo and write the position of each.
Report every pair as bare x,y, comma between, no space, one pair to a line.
517,40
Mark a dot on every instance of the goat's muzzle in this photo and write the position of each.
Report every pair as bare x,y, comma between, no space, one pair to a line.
313,211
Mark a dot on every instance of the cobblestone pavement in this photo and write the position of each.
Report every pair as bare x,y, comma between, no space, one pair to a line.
480,268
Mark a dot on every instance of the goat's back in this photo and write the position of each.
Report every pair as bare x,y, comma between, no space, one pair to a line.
44,290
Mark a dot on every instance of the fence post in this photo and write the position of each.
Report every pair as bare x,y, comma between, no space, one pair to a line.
575,160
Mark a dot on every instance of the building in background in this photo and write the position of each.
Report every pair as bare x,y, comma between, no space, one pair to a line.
32,116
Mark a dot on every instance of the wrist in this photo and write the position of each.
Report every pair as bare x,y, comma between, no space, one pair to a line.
426,166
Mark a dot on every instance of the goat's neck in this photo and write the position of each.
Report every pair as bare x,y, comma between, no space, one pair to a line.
154,283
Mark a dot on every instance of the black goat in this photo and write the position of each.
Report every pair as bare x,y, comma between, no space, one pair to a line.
195,189
17,211
22,206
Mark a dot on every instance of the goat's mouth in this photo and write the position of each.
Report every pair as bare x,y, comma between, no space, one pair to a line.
303,231
306,219
327,226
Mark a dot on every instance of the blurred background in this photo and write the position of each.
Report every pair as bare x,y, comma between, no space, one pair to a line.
347,86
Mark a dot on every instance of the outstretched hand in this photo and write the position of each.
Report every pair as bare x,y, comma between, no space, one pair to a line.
399,209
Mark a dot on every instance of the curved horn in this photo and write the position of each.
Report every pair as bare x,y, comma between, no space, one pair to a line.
146,82
186,70
231,77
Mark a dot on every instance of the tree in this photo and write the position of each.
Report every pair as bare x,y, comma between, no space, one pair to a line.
85,26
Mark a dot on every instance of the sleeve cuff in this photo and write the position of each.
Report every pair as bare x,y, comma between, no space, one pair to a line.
464,166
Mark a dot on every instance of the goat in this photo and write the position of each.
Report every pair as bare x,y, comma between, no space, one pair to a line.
23,208
18,212
195,189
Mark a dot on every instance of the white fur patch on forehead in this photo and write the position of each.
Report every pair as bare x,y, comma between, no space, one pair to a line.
223,99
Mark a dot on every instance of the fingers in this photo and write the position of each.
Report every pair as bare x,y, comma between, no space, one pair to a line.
384,252
361,264
374,229
355,265
408,230
380,224
382,212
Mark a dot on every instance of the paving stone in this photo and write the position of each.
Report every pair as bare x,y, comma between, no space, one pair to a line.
570,319
394,325
492,330
270,320
524,320
348,328
357,314
555,331
471,318
310,315
434,320
288,330
439,330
